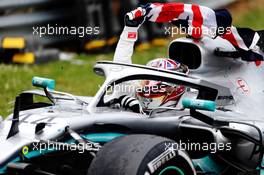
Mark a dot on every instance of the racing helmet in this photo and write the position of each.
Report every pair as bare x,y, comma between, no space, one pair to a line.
154,94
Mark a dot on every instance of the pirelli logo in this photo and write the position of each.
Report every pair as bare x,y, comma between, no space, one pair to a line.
161,159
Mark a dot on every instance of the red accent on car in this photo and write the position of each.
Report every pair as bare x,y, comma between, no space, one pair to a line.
258,63
242,84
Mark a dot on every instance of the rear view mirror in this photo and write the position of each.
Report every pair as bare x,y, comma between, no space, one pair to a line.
199,104
43,82
99,71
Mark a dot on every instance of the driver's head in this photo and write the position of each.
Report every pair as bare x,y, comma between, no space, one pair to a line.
154,94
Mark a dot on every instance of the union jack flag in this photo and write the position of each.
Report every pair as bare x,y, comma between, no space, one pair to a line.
200,20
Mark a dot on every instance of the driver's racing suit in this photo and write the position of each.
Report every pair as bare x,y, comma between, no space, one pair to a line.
123,53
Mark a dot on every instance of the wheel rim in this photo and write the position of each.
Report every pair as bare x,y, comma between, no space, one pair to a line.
171,169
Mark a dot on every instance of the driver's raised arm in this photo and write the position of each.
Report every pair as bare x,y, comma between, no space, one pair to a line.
125,46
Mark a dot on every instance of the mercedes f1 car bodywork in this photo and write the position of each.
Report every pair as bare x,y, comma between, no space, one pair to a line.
123,142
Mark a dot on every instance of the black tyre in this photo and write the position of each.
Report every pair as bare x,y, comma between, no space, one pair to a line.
141,155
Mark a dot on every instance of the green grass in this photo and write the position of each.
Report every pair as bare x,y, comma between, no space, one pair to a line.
80,79
253,18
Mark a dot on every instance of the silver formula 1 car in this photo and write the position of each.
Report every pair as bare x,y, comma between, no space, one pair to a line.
216,128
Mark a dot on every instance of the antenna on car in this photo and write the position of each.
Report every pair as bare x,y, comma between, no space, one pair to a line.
15,121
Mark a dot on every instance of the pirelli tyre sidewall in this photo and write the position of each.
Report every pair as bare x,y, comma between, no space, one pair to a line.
162,161
141,155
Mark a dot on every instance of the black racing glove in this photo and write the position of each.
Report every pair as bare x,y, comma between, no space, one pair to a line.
130,103
134,23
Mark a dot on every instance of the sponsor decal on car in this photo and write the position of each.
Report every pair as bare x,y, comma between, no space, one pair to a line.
243,86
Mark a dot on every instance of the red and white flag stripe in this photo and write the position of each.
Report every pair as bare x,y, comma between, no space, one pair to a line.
233,37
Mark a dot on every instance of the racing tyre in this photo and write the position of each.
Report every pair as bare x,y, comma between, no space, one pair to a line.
141,155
